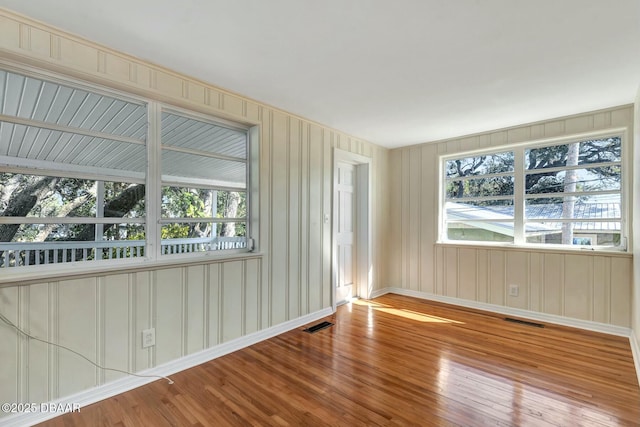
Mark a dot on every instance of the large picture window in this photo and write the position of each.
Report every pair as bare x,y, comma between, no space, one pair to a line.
540,194
74,165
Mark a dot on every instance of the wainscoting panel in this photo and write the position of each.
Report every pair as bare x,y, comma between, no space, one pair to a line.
574,286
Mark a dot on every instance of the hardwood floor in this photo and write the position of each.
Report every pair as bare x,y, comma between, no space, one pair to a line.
396,361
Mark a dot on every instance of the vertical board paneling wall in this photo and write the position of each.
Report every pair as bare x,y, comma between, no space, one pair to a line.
191,307
594,287
636,230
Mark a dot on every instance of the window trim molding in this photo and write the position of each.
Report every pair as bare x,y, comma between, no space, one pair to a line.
519,196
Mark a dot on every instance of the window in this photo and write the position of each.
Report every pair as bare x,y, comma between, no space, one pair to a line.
545,194
72,180
74,184
204,191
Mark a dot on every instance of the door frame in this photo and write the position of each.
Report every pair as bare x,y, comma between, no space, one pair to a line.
364,280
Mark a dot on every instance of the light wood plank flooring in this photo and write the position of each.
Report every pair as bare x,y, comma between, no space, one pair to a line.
396,361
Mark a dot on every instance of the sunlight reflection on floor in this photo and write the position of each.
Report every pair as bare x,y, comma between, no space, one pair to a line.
407,314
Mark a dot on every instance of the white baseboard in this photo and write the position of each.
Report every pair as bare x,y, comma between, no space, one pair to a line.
510,311
635,350
122,385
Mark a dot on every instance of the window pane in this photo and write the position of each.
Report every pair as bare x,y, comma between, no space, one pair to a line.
124,200
480,210
582,233
49,102
59,233
588,207
480,231
478,187
203,236
590,151
62,197
185,132
38,244
480,165
203,230
231,204
224,173
54,148
182,202
591,179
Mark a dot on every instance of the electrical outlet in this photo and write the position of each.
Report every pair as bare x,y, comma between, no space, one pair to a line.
513,290
148,338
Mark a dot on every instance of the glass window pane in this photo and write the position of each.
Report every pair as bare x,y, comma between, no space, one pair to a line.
479,187
231,204
589,152
49,102
62,197
60,233
39,244
183,202
584,207
582,233
204,230
583,180
198,237
224,173
480,165
480,231
124,200
184,132
55,148
480,210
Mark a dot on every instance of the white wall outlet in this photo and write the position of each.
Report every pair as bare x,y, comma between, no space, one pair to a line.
148,338
513,290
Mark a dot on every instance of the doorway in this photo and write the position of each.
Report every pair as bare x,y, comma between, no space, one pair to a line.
351,227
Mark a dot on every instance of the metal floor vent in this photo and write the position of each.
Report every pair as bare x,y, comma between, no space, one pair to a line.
320,326
524,322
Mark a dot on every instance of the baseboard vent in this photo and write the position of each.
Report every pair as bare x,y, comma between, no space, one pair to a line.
320,326
524,322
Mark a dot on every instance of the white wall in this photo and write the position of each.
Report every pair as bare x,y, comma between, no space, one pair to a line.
592,287
192,307
635,323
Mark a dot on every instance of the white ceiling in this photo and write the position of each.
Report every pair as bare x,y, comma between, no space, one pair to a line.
391,72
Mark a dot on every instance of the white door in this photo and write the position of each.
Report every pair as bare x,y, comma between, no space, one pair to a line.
345,237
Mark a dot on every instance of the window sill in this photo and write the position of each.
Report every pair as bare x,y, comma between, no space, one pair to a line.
47,273
522,248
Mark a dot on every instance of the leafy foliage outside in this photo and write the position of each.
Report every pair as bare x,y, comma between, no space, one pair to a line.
539,178
23,195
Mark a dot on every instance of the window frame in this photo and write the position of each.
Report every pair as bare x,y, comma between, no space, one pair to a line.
152,180
519,196
200,183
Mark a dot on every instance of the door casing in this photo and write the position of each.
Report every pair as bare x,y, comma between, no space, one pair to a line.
364,280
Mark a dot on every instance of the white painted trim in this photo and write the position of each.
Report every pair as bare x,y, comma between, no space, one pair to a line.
510,311
379,292
364,234
620,131
122,385
635,350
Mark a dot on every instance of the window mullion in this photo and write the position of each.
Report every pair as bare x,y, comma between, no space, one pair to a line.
100,210
153,186
518,196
